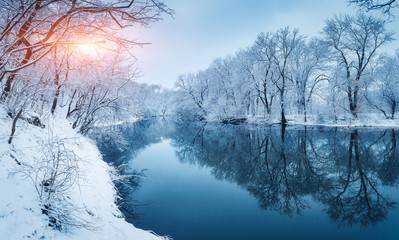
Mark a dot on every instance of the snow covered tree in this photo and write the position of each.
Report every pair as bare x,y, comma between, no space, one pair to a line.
383,91
355,41
228,90
309,61
245,79
264,73
300,75
30,29
286,41
41,44
193,89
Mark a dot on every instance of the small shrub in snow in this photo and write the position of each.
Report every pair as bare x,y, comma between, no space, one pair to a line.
53,175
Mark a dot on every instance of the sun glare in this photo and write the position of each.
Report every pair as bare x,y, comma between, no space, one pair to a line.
88,49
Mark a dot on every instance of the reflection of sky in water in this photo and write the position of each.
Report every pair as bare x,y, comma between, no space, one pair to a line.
186,201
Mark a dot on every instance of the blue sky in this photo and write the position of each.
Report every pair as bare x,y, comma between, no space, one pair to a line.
203,30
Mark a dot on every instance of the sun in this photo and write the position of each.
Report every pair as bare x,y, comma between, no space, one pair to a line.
87,49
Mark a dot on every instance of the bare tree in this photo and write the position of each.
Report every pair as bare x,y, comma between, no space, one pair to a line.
28,95
95,90
384,5
382,92
286,41
308,64
31,29
355,41
224,71
193,87
54,175
263,51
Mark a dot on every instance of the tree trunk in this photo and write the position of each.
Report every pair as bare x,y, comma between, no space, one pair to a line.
393,109
70,104
14,123
283,119
352,97
57,92
302,105
305,113
7,87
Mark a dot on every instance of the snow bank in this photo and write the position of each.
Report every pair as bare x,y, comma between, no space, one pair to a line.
90,199
364,120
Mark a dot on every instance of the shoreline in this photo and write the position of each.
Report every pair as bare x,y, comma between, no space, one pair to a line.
88,202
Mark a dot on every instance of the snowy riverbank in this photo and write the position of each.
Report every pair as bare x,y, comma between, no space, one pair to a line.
83,199
366,120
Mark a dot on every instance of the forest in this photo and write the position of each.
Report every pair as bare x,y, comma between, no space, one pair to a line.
68,70
340,75
79,62
71,56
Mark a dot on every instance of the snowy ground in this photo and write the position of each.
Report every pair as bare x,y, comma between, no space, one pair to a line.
88,200
366,120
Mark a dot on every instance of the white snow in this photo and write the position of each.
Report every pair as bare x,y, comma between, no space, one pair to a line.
364,120
91,197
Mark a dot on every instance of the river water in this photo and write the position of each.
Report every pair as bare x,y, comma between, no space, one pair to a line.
217,181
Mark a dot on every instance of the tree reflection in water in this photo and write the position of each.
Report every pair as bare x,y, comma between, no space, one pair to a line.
121,143
343,169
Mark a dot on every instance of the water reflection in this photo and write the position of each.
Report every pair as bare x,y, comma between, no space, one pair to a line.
343,169
121,143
